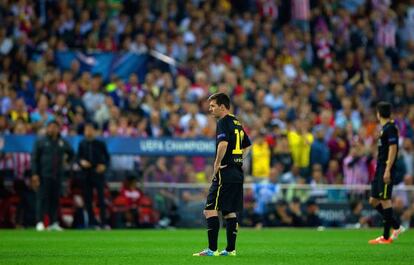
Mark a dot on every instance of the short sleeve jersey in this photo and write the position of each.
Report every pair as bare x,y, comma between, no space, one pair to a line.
229,129
388,137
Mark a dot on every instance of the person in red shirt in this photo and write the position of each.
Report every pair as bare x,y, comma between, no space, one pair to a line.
131,196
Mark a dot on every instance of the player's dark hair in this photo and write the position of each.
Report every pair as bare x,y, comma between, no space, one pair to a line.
384,109
221,99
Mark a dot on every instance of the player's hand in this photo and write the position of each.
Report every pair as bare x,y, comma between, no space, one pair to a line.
100,168
213,178
85,163
387,177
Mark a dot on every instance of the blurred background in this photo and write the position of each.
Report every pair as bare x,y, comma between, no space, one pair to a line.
304,77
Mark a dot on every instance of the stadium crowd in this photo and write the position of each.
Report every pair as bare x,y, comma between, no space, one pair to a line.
304,77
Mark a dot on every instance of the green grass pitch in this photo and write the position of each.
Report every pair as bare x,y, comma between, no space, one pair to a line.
147,247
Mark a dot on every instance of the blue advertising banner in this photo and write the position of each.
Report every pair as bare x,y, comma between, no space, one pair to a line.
105,63
124,145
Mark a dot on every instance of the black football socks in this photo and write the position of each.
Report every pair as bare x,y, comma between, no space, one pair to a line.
213,226
231,230
389,221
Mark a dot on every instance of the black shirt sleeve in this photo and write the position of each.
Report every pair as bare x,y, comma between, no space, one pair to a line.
246,141
392,136
222,133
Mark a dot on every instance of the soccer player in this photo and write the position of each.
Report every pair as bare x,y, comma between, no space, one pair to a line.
226,191
381,186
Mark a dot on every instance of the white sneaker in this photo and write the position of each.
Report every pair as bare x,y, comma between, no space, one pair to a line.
40,226
55,227
397,232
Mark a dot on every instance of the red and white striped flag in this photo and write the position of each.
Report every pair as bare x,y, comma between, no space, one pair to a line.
300,10
386,35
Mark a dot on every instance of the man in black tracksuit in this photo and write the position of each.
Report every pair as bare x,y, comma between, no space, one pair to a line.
93,159
48,157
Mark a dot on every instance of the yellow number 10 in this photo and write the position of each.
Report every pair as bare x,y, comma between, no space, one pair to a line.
239,139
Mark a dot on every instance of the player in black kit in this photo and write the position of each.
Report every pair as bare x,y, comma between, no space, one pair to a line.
226,191
381,186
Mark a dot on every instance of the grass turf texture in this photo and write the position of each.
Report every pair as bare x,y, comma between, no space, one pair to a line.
147,247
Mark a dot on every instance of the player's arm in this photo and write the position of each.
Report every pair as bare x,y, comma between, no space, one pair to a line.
246,152
221,151
246,145
392,154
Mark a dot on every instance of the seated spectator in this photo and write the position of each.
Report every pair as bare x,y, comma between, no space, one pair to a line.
249,217
401,192
278,215
355,219
132,195
265,192
295,212
312,218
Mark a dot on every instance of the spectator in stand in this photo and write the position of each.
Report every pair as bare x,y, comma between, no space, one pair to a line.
249,217
41,116
407,153
295,212
300,141
334,173
317,193
355,219
325,124
312,218
266,192
94,98
281,153
19,111
132,195
278,215
260,157
356,165
319,152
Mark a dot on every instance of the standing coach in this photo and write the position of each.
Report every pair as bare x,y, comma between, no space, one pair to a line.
93,159
48,158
